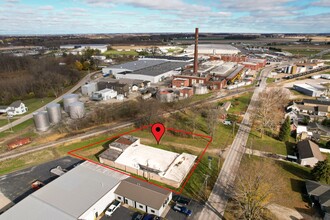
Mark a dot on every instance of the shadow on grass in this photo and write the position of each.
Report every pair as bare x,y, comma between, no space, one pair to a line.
290,147
295,169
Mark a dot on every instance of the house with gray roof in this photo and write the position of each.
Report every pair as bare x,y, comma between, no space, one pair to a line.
308,153
319,193
16,108
143,196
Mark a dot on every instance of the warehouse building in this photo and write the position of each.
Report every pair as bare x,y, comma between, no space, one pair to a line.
153,70
308,90
104,94
80,47
214,49
128,154
82,193
85,192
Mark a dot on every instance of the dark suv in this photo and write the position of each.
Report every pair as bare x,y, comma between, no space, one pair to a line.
181,199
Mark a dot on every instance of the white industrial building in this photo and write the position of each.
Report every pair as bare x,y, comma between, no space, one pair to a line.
213,49
89,88
81,47
314,91
82,193
153,70
104,94
85,192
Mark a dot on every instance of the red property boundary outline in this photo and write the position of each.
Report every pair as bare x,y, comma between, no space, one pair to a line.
72,153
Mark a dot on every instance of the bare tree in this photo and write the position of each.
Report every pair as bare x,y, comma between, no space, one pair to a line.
255,188
269,108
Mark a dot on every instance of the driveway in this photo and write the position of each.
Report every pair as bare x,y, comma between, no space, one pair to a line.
122,213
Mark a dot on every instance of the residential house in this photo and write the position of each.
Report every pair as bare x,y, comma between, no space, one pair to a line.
308,153
143,196
319,193
317,102
16,108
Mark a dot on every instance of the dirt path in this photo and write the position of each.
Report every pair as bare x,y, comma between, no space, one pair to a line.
284,213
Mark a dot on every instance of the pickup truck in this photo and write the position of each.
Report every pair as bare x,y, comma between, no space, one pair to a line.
112,208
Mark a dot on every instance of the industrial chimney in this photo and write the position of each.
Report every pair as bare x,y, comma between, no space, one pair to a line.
196,52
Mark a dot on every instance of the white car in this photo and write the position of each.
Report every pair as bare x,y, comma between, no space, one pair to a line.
226,122
112,208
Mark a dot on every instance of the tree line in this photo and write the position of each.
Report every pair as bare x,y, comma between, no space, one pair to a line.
28,77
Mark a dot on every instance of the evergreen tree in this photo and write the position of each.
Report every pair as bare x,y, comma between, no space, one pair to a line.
321,171
285,130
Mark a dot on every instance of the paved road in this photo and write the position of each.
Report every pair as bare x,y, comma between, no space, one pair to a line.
217,202
28,116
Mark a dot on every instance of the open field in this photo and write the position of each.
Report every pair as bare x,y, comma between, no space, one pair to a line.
270,144
120,53
36,103
240,104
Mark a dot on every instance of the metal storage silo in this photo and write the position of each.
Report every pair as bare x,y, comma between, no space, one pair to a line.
68,99
41,120
200,89
54,113
77,110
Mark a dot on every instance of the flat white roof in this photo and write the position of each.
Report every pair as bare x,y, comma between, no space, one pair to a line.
180,167
147,156
171,165
69,196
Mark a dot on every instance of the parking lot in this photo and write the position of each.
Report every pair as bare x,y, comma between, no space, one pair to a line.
17,185
123,213
194,206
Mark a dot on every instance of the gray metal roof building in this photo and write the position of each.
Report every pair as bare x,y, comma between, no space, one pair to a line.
142,192
69,196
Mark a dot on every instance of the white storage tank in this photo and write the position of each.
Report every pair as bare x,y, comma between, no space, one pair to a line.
200,89
41,120
120,97
68,99
77,110
54,113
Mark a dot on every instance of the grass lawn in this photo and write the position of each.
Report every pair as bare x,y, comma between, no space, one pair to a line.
17,128
270,80
240,104
3,122
36,103
195,98
291,183
121,53
270,144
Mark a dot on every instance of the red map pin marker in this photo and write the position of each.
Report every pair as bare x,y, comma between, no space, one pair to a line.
158,130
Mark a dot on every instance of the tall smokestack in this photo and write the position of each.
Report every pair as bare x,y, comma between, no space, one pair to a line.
196,52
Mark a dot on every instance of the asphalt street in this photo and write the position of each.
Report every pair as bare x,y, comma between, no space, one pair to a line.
217,202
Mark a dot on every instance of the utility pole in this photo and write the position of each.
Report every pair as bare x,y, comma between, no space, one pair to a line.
9,123
234,123
205,183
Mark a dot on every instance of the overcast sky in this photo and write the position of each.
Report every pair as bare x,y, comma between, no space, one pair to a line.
141,16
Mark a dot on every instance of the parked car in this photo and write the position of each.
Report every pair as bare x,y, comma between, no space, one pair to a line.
112,208
137,216
181,199
226,122
151,217
182,209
